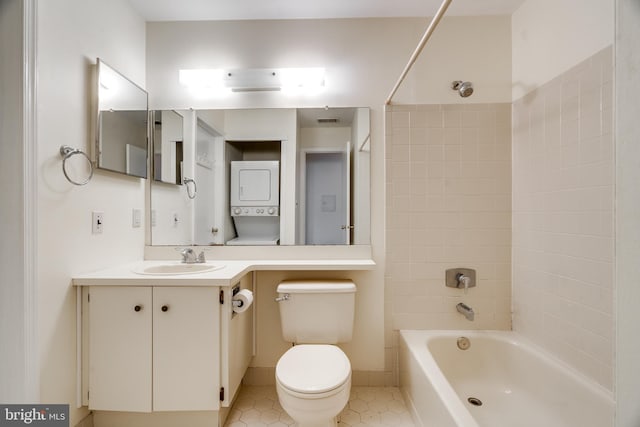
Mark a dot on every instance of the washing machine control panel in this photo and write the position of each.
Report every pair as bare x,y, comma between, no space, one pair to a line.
255,210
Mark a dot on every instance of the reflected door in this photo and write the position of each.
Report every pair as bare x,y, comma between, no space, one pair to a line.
209,206
327,196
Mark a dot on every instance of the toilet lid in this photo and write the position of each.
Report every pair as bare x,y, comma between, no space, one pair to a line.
313,368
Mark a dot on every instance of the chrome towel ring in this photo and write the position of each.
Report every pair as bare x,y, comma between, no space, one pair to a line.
67,152
188,181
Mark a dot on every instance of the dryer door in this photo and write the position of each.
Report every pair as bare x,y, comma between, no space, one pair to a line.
255,183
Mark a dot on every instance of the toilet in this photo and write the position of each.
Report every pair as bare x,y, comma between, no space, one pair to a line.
313,378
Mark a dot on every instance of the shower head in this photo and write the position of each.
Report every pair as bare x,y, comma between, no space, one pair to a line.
464,88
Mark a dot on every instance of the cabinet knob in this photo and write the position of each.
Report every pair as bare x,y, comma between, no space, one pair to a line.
137,307
165,308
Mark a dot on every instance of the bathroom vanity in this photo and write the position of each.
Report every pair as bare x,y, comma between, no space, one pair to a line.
156,337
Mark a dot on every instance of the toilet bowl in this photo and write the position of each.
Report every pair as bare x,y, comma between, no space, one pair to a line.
313,382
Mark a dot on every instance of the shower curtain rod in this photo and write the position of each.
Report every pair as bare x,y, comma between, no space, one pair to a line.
430,29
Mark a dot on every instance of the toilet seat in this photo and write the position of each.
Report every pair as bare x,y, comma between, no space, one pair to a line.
313,369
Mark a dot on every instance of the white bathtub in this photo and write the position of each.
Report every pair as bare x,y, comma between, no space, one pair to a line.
518,384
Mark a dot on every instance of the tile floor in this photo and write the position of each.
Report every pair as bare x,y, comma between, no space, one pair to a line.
258,406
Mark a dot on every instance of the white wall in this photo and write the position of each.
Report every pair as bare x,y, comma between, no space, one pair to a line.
550,37
71,34
363,58
328,137
627,134
171,201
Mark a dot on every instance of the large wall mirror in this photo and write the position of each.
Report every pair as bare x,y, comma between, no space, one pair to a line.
261,177
122,122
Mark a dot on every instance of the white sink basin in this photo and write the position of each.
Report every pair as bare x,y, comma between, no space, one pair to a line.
174,269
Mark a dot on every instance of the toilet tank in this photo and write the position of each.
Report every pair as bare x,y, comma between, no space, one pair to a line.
317,311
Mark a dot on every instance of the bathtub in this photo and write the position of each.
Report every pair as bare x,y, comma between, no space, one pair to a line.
501,380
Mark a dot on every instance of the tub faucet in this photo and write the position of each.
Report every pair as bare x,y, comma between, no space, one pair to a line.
189,256
465,310
460,278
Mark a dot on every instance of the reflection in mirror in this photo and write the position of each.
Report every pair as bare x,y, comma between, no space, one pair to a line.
267,177
167,146
121,137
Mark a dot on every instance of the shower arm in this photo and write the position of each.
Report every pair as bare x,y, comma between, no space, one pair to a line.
430,29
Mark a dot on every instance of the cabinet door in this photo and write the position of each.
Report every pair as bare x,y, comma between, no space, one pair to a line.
186,355
236,338
120,348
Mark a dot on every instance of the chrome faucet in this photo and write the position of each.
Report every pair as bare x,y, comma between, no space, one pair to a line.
466,311
189,256
460,278
463,281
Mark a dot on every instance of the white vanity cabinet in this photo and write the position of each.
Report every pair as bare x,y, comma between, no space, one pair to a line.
153,348
156,348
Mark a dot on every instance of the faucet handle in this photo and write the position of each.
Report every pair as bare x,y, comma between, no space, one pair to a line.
201,257
463,281
460,278
188,255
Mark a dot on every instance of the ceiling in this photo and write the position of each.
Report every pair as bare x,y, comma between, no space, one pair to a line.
206,10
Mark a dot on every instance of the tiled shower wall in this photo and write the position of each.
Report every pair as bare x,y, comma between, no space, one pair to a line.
563,199
448,172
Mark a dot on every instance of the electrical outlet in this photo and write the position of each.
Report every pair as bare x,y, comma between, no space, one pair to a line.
97,222
136,219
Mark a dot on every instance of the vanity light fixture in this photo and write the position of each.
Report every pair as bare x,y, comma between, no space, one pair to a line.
255,79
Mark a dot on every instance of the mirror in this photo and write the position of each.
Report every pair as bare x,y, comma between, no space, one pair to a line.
167,146
287,176
121,131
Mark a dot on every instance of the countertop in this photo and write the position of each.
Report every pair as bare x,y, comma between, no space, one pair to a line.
232,271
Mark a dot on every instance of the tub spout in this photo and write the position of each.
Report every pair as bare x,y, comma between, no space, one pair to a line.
465,310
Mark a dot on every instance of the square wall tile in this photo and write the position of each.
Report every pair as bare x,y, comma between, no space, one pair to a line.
563,217
466,159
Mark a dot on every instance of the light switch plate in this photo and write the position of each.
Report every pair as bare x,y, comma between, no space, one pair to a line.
97,222
136,220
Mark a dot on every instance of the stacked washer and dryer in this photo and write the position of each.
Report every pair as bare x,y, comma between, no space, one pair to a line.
255,202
